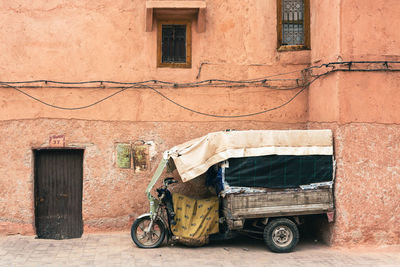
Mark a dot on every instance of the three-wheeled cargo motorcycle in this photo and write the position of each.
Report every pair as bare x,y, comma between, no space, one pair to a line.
264,182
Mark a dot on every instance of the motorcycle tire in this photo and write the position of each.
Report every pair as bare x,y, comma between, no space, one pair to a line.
152,239
281,235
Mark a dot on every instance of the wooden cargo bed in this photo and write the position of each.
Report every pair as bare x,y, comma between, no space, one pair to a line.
277,203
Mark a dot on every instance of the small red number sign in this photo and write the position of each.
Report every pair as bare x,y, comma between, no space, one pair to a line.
57,141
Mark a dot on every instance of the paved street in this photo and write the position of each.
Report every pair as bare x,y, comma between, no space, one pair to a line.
117,249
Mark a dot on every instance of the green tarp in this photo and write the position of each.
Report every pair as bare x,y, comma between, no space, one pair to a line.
279,171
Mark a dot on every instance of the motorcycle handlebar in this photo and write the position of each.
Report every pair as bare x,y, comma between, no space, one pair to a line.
169,180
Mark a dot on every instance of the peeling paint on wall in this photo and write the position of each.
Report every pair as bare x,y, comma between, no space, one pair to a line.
152,149
140,157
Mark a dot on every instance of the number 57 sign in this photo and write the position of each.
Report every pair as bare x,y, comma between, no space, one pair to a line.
57,140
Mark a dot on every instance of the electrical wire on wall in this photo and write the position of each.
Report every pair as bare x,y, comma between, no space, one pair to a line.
307,78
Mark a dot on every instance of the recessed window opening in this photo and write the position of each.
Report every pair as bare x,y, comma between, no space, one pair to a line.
293,24
174,44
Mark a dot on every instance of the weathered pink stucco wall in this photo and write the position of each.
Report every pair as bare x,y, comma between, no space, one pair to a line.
363,109
112,197
93,40
106,40
145,105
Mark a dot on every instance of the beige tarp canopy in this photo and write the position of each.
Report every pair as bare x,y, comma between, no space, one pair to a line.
194,157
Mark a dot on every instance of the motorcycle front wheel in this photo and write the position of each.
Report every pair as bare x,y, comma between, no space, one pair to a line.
145,237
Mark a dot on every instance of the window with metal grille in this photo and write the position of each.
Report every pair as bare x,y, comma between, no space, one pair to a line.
174,44
293,24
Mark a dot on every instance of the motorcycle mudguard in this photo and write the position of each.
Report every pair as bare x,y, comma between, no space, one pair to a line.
160,218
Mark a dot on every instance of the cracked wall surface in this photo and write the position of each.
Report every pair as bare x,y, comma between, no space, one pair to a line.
112,197
367,191
363,110
106,40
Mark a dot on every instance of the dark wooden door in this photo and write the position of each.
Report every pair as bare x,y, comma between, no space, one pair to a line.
58,193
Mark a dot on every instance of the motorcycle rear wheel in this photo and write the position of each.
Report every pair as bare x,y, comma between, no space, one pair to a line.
151,239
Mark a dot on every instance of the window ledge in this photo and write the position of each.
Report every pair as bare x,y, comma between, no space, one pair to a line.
284,48
178,8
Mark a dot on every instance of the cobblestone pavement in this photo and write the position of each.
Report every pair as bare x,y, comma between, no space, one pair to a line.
117,249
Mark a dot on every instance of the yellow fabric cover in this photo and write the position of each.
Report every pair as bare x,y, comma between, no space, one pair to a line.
195,218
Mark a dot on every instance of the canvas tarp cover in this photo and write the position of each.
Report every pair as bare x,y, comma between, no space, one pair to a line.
194,157
279,171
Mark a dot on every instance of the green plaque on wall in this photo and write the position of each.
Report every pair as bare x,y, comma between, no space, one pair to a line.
124,156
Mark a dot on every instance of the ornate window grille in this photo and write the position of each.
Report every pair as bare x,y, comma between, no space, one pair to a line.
293,24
